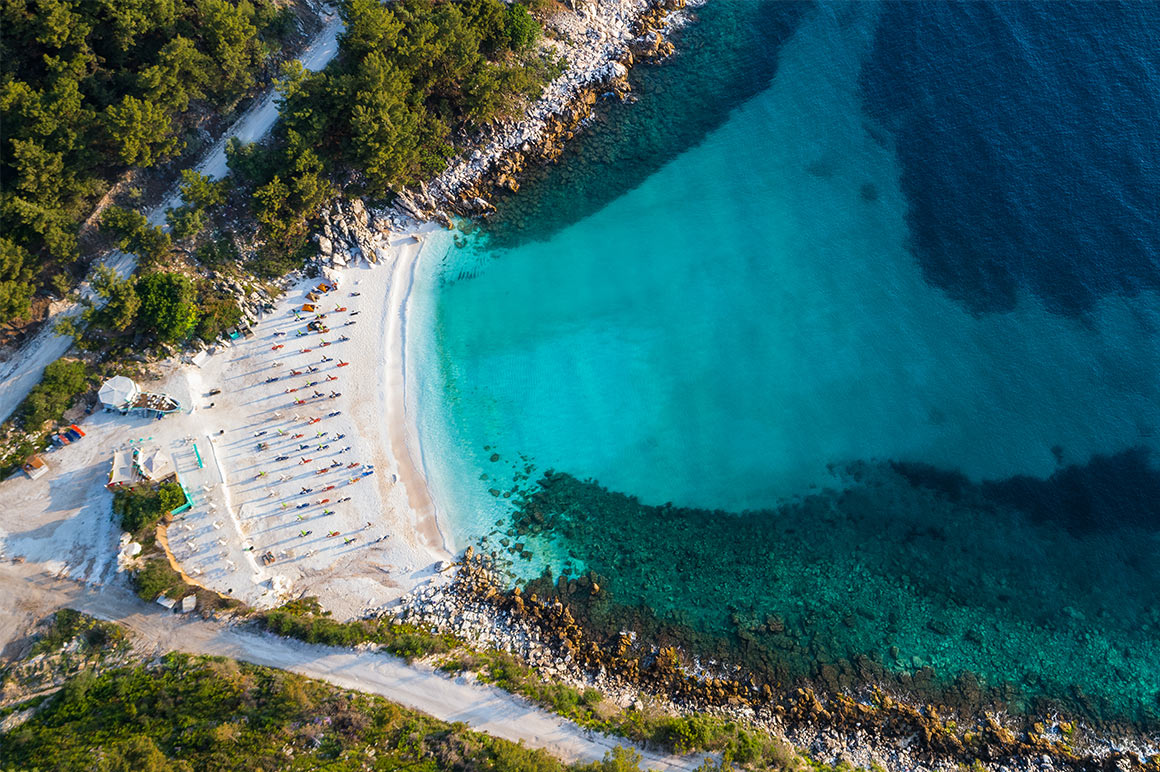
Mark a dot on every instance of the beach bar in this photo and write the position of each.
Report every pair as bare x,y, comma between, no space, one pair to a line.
122,395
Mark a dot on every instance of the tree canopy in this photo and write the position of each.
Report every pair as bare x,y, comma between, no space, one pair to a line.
63,381
92,89
409,75
168,309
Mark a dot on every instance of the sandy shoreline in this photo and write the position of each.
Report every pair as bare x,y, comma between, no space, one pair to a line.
247,502
374,539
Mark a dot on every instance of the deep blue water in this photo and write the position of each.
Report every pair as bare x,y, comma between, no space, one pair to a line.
1027,135
851,319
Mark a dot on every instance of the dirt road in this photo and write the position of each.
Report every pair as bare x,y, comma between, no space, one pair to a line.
28,596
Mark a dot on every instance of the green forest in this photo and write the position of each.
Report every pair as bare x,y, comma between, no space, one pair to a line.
411,75
92,89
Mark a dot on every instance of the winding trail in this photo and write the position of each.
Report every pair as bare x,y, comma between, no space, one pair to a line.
23,369
484,708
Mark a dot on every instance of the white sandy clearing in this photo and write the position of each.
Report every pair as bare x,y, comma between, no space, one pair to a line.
21,371
246,502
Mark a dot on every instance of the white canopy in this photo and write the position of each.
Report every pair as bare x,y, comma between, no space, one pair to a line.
155,464
118,392
121,472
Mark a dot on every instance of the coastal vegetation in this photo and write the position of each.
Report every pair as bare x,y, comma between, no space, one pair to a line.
141,508
95,93
68,625
187,713
64,380
737,743
67,645
305,620
411,77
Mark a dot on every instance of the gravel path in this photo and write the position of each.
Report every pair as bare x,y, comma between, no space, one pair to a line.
29,595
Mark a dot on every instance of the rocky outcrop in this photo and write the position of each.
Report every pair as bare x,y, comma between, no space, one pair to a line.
874,727
350,232
600,40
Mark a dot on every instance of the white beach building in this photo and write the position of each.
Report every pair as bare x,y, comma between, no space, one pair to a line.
121,472
118,393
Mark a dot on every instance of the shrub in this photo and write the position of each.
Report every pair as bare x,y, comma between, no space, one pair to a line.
167,307
522,29
68,623
157,577
304,620
217,312
134,234
141,508
217,252
64,380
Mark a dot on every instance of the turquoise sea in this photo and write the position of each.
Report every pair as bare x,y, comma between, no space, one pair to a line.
841,340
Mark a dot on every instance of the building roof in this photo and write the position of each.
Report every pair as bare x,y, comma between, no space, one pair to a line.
118,391
35,466
155,464
122,469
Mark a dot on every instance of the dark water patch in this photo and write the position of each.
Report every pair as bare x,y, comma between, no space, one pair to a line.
677,104
1105,494
938,585
1027,136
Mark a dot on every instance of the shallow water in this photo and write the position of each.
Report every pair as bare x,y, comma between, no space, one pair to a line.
797,281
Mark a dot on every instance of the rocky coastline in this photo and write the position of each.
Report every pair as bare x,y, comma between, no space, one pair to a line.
861,716
873,723
600,40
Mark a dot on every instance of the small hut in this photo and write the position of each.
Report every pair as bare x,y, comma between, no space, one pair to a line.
35,466
122,472
155,465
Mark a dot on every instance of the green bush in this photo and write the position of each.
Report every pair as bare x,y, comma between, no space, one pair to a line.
68,623
217,312
64,380
133,233
217,253
168,311
619,759
15,280
522,29
156,577
202,713
304,620
141,508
